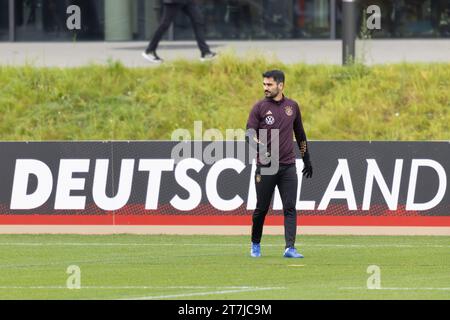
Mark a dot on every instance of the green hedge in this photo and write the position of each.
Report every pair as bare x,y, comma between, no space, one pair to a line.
386,102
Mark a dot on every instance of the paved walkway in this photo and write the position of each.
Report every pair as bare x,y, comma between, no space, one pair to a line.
68,54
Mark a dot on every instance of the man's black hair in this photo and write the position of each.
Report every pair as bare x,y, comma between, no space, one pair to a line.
277,75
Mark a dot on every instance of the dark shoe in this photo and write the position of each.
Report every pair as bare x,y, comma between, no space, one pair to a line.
152,57
208,56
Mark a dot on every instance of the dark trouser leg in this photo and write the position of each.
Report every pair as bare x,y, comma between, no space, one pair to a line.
169,14
436,11
287,184
265,185
198,23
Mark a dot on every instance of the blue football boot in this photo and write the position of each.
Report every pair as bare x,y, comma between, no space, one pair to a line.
292,253
256,250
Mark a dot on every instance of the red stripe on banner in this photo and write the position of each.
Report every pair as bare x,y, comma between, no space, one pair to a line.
50,219
279,220
426,221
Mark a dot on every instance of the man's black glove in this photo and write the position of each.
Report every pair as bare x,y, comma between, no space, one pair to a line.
307,166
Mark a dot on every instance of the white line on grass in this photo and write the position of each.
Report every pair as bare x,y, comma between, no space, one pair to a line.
184,295
126,287
112,244
396,289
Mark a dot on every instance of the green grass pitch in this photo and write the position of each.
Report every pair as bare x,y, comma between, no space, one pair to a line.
219,267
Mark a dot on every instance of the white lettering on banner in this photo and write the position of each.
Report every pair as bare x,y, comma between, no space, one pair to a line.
20,200
277,203
343,171
189,184
31,170
66,183
251,195
155,167
302,205
251,199
211,184
416,163
124,185
373,172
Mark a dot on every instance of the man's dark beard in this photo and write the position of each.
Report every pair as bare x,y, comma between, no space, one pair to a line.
271,95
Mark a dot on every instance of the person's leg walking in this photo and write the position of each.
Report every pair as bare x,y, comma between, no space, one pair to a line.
265,185
198,23
169,14
287,184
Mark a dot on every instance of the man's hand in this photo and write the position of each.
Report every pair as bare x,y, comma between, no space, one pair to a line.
307,168
264,158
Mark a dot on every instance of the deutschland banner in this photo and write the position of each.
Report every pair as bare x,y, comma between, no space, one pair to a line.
200,183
